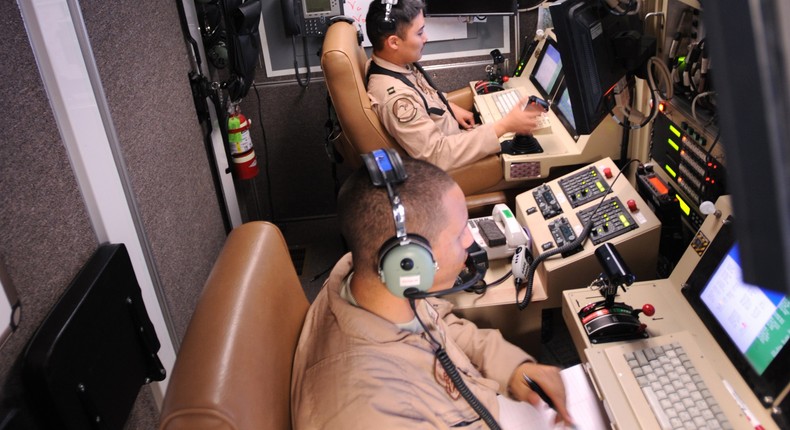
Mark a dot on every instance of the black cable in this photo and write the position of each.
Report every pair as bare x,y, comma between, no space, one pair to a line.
265,156
455,377
530,275
296,63
500,280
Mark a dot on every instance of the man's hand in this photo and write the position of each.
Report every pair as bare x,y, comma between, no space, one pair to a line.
518,120
548,379
465,118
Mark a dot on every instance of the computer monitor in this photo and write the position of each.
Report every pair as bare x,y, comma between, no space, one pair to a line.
547,73
470,7
597,48
750,323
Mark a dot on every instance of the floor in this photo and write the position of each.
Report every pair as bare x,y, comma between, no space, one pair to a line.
316,245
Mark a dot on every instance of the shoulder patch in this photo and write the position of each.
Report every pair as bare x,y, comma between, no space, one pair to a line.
404,109
390,91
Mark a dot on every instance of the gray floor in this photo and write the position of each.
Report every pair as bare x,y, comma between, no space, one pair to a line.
316,245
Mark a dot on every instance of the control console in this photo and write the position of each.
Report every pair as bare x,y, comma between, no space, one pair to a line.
556,212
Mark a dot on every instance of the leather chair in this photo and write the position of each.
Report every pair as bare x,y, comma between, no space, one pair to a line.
233,370
343,61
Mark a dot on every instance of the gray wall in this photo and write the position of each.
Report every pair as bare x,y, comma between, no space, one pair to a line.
45,232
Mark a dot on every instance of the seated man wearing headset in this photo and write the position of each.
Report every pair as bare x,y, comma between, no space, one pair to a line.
378,348
413,111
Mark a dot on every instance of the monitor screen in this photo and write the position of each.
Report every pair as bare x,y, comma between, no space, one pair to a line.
562,108
470,7
750,323
547,73
755,319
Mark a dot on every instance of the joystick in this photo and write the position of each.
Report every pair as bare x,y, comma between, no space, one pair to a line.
522,144
607,320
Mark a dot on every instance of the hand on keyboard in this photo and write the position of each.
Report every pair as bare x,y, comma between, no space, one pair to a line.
520,121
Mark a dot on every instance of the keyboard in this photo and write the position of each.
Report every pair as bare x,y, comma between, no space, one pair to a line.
674,389
494,106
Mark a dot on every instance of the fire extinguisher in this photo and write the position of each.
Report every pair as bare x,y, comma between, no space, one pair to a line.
241,150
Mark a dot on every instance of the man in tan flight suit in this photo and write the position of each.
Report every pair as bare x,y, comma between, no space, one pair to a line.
411,109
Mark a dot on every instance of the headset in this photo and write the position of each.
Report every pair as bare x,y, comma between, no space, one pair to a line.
405,261
387,23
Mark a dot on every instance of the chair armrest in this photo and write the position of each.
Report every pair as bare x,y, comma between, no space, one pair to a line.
463,97
480,176
233,370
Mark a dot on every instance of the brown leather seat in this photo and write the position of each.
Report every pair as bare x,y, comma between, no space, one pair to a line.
233,370
343,62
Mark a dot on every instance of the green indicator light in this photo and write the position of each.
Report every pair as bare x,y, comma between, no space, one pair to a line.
624,220
683,206
670,171
507,213
673,145
600,186
674,130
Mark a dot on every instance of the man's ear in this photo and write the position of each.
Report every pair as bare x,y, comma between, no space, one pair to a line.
392,42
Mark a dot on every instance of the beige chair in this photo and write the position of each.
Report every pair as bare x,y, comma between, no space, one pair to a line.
343,62
233,370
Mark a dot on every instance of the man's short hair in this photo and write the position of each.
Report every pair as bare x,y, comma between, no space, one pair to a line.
365,211
402,13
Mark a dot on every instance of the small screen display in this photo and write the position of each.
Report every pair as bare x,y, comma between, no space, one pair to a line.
547,72
756,320
312,6
564,106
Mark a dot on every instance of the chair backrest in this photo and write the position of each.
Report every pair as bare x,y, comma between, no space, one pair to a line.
343,61
233,370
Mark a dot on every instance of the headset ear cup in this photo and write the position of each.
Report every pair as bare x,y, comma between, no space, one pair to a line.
404,266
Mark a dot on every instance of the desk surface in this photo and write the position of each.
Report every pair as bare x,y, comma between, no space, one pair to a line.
502,294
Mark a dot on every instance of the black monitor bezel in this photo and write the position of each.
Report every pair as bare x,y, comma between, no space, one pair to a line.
766,386
458,8
588,61
546,93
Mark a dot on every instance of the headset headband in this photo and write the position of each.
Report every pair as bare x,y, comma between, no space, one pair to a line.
386,170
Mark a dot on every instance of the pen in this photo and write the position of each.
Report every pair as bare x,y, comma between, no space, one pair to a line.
745,409
536,388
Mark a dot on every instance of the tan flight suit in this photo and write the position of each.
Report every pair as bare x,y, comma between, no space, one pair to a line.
434,137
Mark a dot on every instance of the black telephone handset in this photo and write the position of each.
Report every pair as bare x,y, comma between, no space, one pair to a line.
291,23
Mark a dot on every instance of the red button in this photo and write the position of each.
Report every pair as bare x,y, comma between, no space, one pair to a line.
631,205
607,172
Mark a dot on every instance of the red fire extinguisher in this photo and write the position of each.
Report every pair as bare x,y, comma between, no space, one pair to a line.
241,150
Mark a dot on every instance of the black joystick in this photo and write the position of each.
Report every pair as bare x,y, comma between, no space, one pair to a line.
522,144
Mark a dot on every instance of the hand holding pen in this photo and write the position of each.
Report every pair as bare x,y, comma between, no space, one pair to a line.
533,383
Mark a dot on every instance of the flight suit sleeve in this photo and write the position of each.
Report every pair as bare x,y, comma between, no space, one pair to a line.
492,355
434,138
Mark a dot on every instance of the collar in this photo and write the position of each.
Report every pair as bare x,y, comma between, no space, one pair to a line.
408,70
